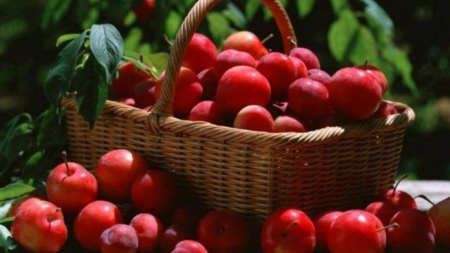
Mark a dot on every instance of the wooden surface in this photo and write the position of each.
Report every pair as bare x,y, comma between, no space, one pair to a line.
434,190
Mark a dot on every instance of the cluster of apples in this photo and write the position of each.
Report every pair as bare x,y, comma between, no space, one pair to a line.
391,224
89,206
247,86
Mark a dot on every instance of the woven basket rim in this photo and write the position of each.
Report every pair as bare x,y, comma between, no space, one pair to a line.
225,133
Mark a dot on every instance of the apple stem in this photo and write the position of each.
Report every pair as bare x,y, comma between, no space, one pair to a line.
166,39
53,216
365,64
398,182
389,226
267,38
289,227
425,198
64,157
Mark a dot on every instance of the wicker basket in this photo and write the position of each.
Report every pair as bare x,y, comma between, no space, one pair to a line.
250,172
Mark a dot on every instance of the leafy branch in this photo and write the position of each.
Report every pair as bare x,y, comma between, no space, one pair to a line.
101,48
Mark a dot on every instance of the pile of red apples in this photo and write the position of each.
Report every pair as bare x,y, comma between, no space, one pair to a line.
126,205
244,85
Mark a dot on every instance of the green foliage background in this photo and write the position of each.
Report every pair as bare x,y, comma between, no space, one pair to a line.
408,40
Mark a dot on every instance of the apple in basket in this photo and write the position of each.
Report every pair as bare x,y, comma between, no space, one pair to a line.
245,41
200,54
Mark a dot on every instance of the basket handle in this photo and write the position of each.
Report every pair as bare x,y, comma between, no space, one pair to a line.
164,105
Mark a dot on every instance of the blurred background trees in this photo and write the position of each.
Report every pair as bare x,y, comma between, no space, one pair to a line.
408,40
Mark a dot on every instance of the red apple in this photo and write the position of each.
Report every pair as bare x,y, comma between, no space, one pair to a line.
189,246
127,101
280,71
307,56
18,204
129,76
319,75
224,231
208,80
378,74
384,110
149,230
288,123
288,230
356,231
322,223
157,186
92,220
308,99
245,41
144,93
254,117
39,227
119,238
231,58
384,210
354,93
116,171
414,234
301,70
241,86
70,186
209,111
188,91
200,54
397,197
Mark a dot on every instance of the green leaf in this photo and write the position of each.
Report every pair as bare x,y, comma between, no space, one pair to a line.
15,190
173,23
219,26
364,48
59,77
6,133
339,6
342,35
6,241
92,90
153,64
7,220
54,11
52,130
107,46
4,208
66,37
304,7
251,8
21,140
235,15
400,60
378,14
159,62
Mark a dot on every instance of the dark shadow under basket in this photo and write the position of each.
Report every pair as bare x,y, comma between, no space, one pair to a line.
250,172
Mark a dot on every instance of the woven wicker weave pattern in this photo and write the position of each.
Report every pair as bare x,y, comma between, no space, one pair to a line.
250,172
